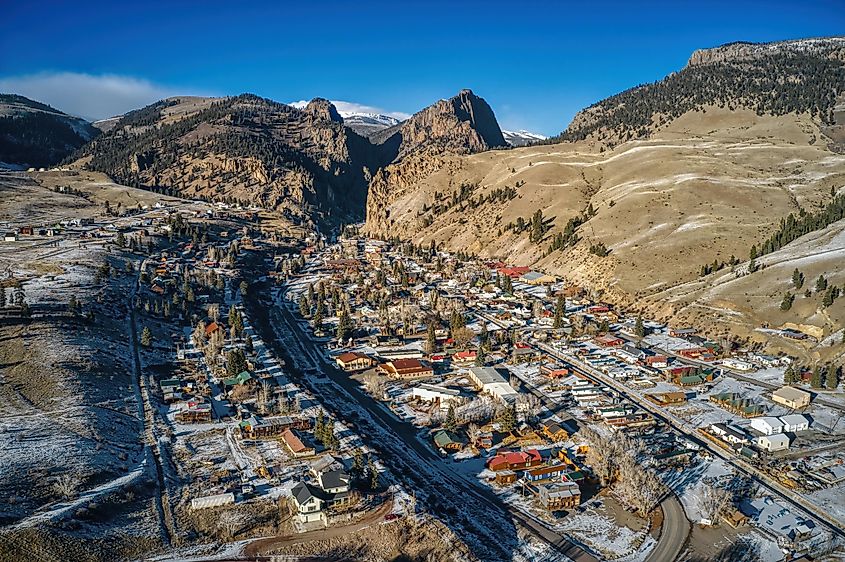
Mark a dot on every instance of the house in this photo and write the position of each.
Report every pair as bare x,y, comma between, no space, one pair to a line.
682,332
405,369
545,473
504,477
352,361
241,378
212,329
729,433
295,444
794,423
448,441
10,237
309,507
335,487
773,443
556,496
791,397
259,428
779,521
513,272
484,439
767,425
552,430
464,357
668,398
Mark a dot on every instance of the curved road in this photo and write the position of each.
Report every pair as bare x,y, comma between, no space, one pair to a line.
673,534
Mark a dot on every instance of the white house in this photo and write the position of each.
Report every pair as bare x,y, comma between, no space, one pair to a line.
772,443
737,364
795,423
308,506
767,425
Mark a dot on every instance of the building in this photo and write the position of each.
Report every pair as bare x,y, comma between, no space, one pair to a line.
309,507
352,361
608,340
537,278
729,433
556,496
10,237
213,501
438,395
791,397
773,443
515,460
767,425
295,444
545,473
794,423
406,369
448,441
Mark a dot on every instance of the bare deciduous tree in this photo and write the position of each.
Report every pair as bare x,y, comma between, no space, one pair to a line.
264,398
462,337
712,502
230,522
375,384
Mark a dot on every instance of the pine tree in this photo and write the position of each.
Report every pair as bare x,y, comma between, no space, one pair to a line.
821,284
786,303
797,279
639,328
344,326
831,380
480,357
304,308
430,338
789,376
451,423
120,240
317,321
817,380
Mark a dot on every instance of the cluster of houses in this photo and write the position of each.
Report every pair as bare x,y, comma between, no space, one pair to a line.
766,433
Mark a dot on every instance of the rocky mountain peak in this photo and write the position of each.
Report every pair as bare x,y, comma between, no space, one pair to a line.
323,109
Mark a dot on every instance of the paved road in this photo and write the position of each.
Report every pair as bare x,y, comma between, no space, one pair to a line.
676,526
829,520
418,460
673,534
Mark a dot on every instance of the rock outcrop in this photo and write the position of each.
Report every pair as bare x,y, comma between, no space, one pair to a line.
420,146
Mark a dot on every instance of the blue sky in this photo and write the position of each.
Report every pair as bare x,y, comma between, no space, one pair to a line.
536,63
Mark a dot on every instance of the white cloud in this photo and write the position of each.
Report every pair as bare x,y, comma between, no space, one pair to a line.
347,108
86,95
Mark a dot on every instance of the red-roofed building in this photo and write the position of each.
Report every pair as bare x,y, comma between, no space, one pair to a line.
608,340
406,369
465,356
515,460
513,272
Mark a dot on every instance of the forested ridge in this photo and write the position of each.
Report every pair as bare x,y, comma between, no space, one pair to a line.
777,83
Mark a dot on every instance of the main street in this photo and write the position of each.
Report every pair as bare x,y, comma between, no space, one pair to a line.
676,527
491,521
682,427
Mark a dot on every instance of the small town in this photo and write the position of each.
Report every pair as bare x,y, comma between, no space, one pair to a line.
422,282
314,386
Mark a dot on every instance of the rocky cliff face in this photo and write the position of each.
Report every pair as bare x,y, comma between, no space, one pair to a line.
742,51
245,149
422,145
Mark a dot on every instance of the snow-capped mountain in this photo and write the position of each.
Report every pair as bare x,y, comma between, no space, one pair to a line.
366,124
521,138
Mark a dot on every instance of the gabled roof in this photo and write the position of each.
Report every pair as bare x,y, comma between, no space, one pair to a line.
302,493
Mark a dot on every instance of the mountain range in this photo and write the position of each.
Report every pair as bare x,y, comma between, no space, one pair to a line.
652,198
